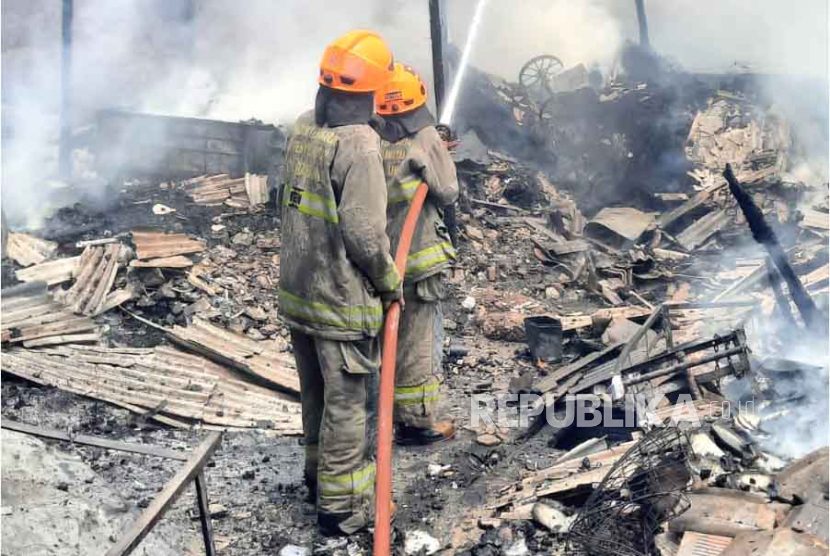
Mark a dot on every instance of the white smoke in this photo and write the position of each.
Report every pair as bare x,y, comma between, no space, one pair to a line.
258,58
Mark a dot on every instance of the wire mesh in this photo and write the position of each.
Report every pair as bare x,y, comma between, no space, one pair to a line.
643,490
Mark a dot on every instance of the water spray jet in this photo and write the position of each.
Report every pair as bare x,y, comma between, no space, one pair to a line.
452,99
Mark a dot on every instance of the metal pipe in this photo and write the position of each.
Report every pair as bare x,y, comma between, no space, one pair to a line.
642,21
65,147
383,486
686,365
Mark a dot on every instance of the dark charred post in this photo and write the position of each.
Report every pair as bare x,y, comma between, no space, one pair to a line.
65,147
643,23
763,234
438,39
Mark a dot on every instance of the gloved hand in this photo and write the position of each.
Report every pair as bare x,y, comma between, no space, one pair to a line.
388,297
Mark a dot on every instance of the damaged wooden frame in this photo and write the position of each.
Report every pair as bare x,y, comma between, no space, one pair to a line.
192,470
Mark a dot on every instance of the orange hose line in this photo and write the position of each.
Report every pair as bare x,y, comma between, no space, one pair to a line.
383,486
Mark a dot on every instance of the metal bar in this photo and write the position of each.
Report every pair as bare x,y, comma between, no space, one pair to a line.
625,356
93,441
683,366
711,305
204,514
642,21
127,543
65,148
735,338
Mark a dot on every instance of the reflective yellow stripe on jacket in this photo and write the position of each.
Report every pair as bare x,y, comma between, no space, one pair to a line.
411,395
402,192
352,318
348,483
421,261
311,204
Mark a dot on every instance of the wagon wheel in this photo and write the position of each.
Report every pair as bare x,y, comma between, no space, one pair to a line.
536,75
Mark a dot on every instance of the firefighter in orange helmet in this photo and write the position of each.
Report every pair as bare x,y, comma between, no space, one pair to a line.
414,152
336,274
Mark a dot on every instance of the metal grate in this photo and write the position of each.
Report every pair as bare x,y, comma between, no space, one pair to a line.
643,489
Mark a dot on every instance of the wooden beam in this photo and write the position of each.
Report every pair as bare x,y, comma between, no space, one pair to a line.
93,441
194,466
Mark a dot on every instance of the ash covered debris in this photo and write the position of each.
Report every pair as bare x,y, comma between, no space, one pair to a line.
594,204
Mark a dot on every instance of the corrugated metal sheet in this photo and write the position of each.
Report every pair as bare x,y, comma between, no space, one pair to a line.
259,359
698,544
35,319
96,273
52,272
160,379
155,245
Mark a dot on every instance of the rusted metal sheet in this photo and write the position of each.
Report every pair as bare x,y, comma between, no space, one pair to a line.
699,544
160,379
51,272
157,245
257,359
618,226
27,250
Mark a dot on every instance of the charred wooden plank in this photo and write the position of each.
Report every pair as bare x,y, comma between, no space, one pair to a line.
165,499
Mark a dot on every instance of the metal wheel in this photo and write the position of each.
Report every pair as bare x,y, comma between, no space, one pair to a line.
537,73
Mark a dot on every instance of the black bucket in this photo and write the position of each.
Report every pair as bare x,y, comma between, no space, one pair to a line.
544,337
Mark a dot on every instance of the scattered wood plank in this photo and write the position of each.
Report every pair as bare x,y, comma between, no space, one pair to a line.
27,250
817,278
256,187
815,220
86,440
159,245
51,272
702,229
668,219
568,247
191,469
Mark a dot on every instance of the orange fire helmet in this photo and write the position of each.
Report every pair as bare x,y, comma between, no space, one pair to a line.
358,62
403,93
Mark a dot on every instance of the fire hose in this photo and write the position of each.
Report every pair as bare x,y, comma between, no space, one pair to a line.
383,486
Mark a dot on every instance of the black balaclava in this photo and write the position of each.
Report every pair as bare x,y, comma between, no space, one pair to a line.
335,108
395,127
